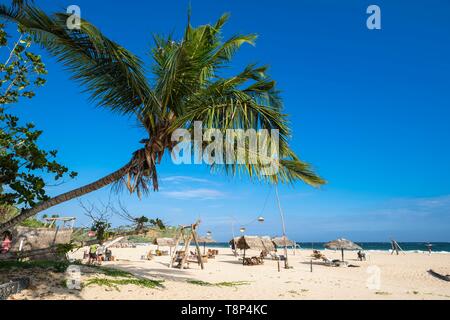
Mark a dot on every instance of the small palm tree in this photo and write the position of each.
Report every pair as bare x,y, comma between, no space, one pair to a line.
186,86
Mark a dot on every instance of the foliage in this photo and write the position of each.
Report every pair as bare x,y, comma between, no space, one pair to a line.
101,229
141,223
21,69
22,162
111,272
140,239
57,266
115,283
7,212
32,223
62,249
186,86
218,284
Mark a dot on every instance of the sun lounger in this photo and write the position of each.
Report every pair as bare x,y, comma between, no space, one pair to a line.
317,254
333,263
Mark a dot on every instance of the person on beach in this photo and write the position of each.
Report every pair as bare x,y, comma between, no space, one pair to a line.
92,253
100,254
361,255
430,247
6,243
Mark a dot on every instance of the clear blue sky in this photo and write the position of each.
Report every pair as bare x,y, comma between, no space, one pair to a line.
369,109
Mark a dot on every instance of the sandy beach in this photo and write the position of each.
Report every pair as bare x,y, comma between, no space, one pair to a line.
400,277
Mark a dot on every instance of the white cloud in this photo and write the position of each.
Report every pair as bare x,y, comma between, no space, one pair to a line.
201,193
181,179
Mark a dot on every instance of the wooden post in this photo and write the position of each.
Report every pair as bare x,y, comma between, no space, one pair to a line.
243,258
172,257
286,264
186,248
311,265
278,263
199,253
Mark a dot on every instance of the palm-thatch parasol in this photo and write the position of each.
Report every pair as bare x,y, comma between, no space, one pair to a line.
253,243
279,242
164,242
205,240
342,244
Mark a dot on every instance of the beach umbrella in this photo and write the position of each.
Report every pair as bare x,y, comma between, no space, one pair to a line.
165,242
342,244
205,240
279,241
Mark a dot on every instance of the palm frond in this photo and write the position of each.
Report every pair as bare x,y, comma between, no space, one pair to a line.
111,74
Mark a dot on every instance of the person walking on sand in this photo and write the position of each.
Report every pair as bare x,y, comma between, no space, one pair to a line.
430,247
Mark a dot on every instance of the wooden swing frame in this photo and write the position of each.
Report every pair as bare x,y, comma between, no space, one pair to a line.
191,231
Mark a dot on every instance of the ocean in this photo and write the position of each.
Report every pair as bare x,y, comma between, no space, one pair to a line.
443,247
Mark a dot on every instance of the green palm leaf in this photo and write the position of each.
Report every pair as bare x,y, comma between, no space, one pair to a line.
112,75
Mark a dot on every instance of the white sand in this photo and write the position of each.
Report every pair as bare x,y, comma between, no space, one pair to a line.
402,277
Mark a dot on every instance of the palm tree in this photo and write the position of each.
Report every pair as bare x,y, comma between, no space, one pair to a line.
186,86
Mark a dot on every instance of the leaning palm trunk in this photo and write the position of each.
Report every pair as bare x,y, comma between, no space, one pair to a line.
107,180
186,88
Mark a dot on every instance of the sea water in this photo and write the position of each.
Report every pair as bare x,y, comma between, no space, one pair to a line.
443,247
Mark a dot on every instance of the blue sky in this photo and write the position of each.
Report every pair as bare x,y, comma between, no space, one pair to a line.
369,109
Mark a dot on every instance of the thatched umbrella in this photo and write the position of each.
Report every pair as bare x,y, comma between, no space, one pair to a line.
279,242
342,244
268,244
254,243
165,242
205,240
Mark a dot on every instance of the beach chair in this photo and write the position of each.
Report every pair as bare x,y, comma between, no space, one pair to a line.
194,258
332,263
253,261
211,254
317,254
179,255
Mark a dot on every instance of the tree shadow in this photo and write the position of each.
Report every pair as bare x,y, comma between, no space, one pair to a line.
169,274
44,284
